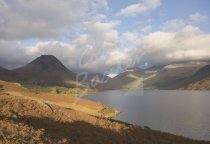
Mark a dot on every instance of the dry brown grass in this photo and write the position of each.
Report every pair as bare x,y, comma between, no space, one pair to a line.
63,100
25,121
200,85
32,120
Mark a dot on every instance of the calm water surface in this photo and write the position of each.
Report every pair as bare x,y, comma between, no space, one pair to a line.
184,113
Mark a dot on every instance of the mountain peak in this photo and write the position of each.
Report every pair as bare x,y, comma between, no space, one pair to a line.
46,69
49,62
47,57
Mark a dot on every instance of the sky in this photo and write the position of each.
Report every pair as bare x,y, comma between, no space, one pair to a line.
104,35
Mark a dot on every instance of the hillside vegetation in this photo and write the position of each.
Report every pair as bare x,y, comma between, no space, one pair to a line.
24,121
63,100
200,85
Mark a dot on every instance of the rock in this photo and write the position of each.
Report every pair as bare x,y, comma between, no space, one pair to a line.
14,116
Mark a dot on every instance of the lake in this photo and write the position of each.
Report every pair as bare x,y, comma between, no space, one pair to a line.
184,113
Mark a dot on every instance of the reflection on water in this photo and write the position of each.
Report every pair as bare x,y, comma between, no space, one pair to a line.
180,112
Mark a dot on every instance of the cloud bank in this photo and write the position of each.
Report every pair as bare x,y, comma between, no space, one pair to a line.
22,19
163,47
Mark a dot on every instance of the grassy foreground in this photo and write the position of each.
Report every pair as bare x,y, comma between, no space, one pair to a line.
26,121
42,119
67,98
60,90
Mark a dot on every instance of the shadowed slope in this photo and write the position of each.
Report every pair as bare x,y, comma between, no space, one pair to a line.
46,69
130,79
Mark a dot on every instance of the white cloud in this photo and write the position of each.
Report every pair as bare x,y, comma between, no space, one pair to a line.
116,57
179,24
164,47
174,25
89,52
130,37
22,19
197,18
102,26
139,8
12,55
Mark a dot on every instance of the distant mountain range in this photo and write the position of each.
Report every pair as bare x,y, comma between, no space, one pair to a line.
166,77
44,70
174,76
48,70
132,78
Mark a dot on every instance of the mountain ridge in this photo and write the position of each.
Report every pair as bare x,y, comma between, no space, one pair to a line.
165,77
46,69
129,79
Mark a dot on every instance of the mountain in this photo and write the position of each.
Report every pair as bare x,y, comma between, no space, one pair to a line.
129,79
202,73
200,80
3,70
9,75
46,69
173,76
155,68
165,77
199,85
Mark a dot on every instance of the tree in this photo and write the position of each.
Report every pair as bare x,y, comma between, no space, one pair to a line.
57,91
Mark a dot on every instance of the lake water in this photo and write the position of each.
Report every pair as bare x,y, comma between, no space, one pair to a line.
184,113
